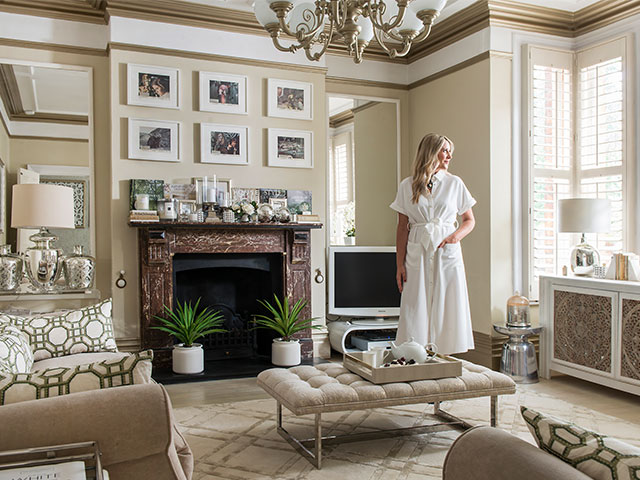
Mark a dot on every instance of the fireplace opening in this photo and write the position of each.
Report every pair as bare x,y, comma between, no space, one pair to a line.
231,283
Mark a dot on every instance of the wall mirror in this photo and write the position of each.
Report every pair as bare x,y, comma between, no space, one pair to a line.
363,169
47,114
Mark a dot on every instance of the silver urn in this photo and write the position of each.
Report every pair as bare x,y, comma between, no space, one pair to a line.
10,269
79,269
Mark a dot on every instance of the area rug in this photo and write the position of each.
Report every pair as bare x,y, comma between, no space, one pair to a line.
238,440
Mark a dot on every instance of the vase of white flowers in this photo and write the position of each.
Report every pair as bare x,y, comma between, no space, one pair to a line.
245,210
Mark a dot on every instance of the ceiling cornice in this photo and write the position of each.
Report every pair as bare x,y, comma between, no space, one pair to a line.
88,11
476,17
340,119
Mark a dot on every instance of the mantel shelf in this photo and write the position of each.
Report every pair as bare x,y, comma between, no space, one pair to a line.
228,226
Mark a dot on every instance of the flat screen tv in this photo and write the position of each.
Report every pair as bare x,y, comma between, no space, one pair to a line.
362,282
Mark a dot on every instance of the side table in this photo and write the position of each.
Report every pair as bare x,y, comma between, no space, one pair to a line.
518,354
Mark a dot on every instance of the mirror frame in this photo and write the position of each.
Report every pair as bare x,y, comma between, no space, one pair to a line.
396,101
89,137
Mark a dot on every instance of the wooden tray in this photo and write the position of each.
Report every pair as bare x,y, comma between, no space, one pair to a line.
441,366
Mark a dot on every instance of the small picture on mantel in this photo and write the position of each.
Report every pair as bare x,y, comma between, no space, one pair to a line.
267,194
153,188
299,201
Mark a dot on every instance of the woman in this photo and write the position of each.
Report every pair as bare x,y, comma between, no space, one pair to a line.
430,273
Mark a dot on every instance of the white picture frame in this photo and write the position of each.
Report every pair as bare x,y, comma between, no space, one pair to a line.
290,148
223,93
289,99
165,146
223,185
151,86
223,144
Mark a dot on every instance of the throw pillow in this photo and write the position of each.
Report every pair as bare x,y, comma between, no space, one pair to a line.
52,382
15,352
596,455
88,329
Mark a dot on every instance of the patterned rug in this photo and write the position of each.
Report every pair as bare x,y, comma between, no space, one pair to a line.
238,440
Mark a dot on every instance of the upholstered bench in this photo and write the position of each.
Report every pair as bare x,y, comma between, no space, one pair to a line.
330,387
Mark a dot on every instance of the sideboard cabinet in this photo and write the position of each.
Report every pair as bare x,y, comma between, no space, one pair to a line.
591,330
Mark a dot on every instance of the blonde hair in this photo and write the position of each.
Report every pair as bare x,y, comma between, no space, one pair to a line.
426,162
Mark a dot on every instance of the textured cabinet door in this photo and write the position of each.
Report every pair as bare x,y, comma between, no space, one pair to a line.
583,322
630,338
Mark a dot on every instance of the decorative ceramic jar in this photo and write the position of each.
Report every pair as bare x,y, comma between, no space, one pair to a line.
78,269
10,269
265,213
518,311
283,215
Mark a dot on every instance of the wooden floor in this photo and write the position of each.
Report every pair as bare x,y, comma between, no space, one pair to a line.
579,392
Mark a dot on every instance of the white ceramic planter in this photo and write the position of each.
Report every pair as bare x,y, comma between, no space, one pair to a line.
285,354
188,359
349,240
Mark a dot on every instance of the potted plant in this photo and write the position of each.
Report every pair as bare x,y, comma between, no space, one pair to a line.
286,321
349,223
187,325
350,236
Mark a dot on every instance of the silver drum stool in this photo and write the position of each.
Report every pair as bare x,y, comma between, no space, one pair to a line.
518,354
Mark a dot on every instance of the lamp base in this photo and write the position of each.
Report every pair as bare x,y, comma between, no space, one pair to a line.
583,258
42,262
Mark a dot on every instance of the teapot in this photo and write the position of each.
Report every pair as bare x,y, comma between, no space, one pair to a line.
413,350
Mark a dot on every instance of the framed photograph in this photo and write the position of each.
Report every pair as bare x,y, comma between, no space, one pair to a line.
249,194
299,201
289,99
223,144
223,93
152,86
267,194
290,148
223,191
154,140
278,203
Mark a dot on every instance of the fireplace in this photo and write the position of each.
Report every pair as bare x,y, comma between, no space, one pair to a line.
228,266
231,283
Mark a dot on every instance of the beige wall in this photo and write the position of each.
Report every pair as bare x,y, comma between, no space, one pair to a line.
256,174
46,151
458,105
375,144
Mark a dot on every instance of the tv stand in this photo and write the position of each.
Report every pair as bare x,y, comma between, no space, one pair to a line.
340,331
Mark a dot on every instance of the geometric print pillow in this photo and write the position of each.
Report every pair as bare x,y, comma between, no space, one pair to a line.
596,455
15,352
131,370
88,329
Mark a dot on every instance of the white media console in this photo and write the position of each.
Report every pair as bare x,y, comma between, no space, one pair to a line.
341,333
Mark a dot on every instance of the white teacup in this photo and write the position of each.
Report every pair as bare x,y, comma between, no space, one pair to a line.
370,358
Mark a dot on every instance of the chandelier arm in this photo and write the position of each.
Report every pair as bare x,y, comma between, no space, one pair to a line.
325,38
301,35
274,32
378,36
334,14
424,33
376,19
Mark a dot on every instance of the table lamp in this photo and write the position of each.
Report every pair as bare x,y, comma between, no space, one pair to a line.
584,215
41,205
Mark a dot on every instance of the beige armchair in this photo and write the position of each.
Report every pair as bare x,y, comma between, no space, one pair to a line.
133,425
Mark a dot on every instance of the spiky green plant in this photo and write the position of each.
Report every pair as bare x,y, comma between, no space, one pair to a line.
284,320
187,324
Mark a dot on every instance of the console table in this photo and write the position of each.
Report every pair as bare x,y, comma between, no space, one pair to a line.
591,330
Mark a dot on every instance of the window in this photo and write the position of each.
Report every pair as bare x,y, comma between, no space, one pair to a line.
577,148
342,195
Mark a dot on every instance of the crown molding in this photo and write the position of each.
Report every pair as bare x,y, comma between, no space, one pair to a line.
216,58
88,11
476,17
9,91
340,119
48,139
54,47
60,118
337,81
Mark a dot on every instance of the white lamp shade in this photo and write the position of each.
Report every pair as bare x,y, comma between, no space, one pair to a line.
419,5
584,215
263,13
36,205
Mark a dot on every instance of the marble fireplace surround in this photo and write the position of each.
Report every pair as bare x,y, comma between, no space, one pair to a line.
159,242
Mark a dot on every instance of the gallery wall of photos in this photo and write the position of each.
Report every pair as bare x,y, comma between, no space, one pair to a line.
158,139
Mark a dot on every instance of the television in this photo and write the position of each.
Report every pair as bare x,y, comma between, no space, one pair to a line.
362,282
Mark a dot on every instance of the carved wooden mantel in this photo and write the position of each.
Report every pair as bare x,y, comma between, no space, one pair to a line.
159,242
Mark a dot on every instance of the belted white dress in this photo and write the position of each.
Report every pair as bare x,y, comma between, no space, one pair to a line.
434,307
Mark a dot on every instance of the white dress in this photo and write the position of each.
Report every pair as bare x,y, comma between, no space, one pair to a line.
435,305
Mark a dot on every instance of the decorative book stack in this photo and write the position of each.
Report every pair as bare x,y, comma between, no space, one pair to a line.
144,216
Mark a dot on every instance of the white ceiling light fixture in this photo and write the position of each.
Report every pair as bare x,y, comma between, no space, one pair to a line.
355,22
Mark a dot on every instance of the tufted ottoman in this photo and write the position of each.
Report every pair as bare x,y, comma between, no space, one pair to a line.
329,387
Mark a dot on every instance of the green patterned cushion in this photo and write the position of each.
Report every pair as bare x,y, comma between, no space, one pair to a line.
52,382
596,455
88,329
15,352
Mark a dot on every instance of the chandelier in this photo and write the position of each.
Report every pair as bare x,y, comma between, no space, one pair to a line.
313,25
